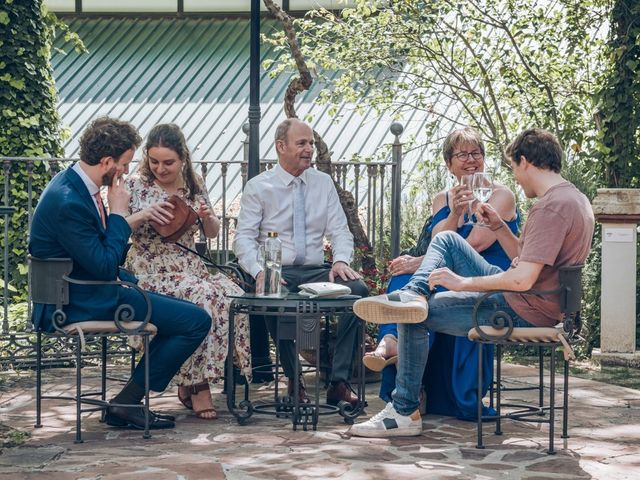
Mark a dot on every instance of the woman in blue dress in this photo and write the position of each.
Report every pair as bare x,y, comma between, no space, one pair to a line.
451,371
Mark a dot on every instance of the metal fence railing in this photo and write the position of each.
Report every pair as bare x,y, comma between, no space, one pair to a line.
375,187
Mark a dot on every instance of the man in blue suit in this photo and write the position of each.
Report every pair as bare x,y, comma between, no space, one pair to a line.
70,221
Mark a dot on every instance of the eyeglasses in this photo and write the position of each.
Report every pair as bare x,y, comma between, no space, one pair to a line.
462,156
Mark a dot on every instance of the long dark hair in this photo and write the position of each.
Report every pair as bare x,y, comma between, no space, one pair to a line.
169,135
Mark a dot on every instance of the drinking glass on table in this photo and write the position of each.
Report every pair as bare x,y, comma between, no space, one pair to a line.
467,181
482,185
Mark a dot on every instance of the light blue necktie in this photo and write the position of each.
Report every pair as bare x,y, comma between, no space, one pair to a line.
299,222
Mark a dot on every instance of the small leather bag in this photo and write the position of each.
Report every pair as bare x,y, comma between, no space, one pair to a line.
183,218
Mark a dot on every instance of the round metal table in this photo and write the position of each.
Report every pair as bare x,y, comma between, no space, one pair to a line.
299,319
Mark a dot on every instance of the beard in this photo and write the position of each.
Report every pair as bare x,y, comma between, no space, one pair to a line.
107,178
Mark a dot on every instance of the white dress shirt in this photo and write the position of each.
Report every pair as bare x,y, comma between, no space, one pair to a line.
267,206
92,187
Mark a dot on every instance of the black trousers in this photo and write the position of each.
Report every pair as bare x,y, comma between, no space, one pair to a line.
346,338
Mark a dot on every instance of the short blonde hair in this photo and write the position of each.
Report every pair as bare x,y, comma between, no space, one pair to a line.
458,137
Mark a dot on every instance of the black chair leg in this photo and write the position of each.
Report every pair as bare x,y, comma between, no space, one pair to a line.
499,387
146,386
492,385
565,401
133,361
78,391
541,379
38,380
479,399
552,395
260,355
103,380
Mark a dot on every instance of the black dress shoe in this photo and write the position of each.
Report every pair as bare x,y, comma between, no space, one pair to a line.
302,391
133,417
162,416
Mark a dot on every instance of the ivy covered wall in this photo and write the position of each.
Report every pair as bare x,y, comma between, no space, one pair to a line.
29,121
619,99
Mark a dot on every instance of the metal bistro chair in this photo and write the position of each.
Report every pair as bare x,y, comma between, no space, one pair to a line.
502,333
50,285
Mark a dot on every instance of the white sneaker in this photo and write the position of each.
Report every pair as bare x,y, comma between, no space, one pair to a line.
401,306
389,423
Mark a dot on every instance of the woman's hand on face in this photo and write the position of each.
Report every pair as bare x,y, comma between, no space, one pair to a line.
161,212
404,264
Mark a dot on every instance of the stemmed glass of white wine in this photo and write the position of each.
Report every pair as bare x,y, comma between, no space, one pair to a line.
482,186
467,181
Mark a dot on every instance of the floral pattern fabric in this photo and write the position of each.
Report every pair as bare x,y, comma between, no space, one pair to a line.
170,270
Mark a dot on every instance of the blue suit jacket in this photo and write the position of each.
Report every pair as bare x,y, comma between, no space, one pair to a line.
66,223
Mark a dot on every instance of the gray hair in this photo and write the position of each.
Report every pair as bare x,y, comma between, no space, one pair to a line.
282,130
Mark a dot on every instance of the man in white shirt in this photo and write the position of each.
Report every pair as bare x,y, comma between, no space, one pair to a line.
268,205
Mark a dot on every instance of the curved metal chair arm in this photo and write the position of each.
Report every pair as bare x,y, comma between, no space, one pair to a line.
124,312
500,319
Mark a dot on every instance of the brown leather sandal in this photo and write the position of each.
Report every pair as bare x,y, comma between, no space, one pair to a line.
201,387
186,401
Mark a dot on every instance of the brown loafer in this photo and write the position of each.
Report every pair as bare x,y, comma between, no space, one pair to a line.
341,392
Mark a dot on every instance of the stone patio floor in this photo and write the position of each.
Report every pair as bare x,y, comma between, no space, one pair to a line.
604,442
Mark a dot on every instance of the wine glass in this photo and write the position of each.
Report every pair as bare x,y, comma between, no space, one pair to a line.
482,189
467,181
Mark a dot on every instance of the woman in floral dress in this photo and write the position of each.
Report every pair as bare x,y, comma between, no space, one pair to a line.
169,269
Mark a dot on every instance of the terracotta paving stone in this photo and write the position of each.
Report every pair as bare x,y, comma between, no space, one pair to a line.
541,478
557,465
522,456
474,454
604,443
493,466
429,456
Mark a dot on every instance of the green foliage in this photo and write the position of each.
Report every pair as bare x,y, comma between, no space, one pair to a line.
18,318
498,66
9,436
619,99
29,121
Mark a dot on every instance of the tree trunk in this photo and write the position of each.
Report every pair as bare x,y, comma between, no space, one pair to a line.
323,155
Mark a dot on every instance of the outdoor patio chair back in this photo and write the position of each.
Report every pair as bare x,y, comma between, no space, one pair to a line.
50,286
43,289
502,333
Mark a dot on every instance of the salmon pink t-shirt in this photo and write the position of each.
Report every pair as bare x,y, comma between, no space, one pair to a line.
558,233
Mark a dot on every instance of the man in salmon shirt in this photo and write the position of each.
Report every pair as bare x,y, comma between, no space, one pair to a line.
558,233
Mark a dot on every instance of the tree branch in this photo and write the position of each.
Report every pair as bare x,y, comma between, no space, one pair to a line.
323,155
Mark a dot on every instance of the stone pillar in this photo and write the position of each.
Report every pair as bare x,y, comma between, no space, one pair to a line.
618,210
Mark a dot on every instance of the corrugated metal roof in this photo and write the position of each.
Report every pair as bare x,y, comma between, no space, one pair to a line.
195,72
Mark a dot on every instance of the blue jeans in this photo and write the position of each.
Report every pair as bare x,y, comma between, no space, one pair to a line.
449,312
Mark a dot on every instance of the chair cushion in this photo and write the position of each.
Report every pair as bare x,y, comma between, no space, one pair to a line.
519,334
100,326
526,334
